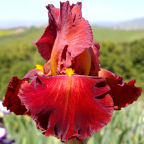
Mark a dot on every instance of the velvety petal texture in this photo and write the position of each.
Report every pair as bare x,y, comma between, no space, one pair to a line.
122,93
68,106
45,43
12,101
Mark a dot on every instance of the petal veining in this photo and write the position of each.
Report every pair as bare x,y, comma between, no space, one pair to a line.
74,36
68,106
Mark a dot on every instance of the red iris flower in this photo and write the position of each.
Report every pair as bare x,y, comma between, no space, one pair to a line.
69,96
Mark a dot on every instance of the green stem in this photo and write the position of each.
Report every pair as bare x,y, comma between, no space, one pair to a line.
76,141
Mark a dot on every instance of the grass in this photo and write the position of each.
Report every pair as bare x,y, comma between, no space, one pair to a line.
106,34
26,37
5,32
9,32
126,127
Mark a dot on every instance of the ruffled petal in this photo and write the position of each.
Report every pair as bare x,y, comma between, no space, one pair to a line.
46,42
122,93
68,40
12,101
68,106
74,36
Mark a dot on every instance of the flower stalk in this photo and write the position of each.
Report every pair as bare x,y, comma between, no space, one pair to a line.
76,141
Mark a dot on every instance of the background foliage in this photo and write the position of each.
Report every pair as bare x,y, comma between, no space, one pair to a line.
122,52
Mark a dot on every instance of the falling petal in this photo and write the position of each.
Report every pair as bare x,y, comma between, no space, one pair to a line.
68,106
12,101
122,93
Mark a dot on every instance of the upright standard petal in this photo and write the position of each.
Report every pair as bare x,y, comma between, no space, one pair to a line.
68,106
69,41
122,93
46,42
74,36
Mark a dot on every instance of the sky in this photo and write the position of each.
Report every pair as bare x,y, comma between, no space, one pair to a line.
33,12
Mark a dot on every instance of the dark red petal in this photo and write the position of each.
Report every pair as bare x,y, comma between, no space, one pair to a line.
74,36
46,42
12,101
95,63
122,93
68,106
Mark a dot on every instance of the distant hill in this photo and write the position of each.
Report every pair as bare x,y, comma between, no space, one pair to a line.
100,34
136,24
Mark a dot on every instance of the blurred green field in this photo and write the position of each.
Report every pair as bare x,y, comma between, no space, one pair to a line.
106,34
122,52
5,32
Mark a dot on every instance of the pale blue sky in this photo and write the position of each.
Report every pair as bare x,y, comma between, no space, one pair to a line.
29,12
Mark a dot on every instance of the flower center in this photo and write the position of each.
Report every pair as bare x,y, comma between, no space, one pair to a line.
69,71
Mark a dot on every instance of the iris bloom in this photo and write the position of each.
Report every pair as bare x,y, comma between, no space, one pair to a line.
70,95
